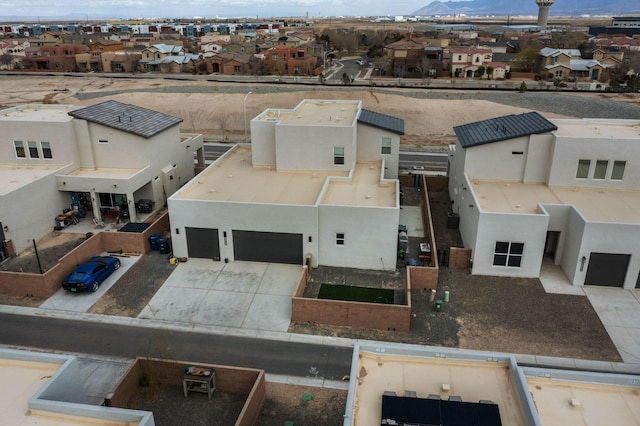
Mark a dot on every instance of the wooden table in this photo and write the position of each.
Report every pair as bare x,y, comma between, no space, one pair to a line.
197,379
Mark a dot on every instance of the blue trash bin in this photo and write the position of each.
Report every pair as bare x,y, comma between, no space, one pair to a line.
153,241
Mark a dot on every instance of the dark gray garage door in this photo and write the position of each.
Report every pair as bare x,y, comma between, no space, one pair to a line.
607,269
273,247
203,243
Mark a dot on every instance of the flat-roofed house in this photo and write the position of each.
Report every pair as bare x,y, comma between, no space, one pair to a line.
318,182
528,189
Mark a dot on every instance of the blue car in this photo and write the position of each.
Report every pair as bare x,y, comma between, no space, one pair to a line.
89,275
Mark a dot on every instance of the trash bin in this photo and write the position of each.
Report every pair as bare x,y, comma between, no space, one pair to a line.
438,305
164,245
153,241
453,220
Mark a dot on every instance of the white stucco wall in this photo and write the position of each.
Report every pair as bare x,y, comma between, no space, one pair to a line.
263,142
227,216
538,159
568,151
573,246
59,134
29,213
516,228
370,237
307,147
369,148
496,160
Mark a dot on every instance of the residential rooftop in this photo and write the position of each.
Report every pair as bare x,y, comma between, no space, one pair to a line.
594,128
573,402
473,381
315,112
40,113
15,176
104,172
595,204
233,178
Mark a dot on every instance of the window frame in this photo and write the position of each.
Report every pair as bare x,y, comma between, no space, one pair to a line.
338,158
32,148
47,153
508,254
598,172
20,151
618,165
386,143
340,239
581,164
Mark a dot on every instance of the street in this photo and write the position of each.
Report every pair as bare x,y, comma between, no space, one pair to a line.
275,357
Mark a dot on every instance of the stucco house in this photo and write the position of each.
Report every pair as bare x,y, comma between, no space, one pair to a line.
529,190
466,62
317,185
101,158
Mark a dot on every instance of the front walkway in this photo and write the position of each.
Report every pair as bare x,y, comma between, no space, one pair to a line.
247,295
618,309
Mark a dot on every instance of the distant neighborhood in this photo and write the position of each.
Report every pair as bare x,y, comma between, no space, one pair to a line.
560,54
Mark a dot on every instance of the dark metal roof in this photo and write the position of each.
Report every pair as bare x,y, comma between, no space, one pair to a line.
128,118
382,121
502,128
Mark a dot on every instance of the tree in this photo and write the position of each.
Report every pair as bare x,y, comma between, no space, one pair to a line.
523,87
346,79
489,73
481,71
5,61
527,59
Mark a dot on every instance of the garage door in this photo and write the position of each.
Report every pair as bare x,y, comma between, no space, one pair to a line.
273,247
607,269
203,243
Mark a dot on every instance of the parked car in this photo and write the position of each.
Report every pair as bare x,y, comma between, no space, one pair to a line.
361,62
88,276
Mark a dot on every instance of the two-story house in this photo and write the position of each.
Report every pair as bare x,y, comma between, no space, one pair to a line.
285,60
317,185
529,190
110,155
468,62
61,57
167,58
568,63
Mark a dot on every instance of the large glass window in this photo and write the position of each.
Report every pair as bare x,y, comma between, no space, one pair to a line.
46,150
386,145
33,149
583,169
508,254
617,173
601,169
19,146
338,155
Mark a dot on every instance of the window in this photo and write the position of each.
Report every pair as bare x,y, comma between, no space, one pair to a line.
508,254
583,169
103,141
33,149
274,57
517,152
338,155
19,145
617,172
339,239
558,73
237,68
46,150
601,169
386,145
459,57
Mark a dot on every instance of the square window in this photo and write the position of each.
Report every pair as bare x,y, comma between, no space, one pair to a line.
508,254
386,146
601,169
583,169
19,146
338,155
46,150
617,173
33,149
340,239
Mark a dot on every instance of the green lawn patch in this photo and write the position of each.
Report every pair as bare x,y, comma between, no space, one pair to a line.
355,294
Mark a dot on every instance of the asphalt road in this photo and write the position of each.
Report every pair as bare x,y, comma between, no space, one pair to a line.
294,359
408,160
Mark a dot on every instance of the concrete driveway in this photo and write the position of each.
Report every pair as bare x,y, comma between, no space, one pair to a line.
81,302
619,311
247,295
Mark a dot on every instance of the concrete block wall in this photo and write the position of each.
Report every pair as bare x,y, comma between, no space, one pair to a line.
422,278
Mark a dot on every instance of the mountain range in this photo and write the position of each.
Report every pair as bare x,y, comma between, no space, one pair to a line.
528,7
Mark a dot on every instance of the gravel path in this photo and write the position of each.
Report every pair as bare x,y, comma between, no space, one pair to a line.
563,103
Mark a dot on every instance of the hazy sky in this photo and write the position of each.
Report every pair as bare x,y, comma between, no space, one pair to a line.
207,8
